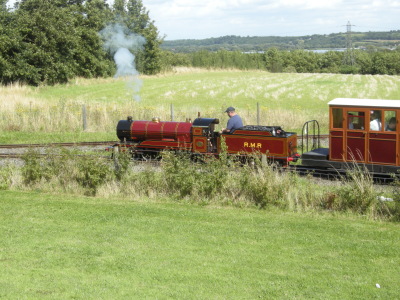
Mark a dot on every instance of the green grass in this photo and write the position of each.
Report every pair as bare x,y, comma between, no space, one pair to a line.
57,247
214,89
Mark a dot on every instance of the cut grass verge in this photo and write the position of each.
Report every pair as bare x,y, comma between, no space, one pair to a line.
56,247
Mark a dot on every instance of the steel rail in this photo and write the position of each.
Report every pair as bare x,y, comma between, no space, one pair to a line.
77,144
21,155
337,174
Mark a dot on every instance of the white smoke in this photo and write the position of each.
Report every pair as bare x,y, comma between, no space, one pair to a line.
118,40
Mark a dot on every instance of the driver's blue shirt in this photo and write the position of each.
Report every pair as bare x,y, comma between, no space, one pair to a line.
234,122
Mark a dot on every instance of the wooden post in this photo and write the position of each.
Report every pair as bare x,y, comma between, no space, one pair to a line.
84,117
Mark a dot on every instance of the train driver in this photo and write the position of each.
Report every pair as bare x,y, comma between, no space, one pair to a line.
234,122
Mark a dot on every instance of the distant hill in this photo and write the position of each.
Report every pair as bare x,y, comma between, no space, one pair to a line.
389,39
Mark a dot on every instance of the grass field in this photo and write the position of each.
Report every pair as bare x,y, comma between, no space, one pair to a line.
139,243
32,114
58,247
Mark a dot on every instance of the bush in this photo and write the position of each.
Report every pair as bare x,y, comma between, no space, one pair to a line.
32,171
223,180
92,173
5,176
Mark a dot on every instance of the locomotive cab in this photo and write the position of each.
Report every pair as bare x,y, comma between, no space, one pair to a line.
204,135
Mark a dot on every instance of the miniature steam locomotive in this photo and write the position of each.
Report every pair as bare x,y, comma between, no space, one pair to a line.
146,139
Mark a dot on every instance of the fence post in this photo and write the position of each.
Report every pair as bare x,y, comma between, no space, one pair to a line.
172,112
258,113
84,117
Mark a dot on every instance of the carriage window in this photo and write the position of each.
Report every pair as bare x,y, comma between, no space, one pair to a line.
375,123
337,115
356,120
390,120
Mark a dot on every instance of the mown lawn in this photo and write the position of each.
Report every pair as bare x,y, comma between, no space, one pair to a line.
57,247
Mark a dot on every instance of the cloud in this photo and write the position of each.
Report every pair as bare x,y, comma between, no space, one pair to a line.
308,4
180,19
183,19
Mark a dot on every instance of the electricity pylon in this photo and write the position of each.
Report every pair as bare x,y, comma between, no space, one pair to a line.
348,58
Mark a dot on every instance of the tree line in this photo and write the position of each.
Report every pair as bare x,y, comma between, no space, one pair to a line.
52,41
262,43
295,61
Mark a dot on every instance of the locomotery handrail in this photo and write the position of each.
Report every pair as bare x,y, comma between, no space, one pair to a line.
314,126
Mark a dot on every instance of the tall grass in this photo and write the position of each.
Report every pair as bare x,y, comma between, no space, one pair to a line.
287,100
223,181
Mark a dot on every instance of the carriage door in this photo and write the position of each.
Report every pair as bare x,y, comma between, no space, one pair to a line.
355,136
336,134
382,137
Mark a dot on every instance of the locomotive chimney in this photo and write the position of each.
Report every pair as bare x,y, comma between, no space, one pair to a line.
129,118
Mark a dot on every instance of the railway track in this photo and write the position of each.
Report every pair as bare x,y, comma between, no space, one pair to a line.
80,144
21,155
16,151
336,174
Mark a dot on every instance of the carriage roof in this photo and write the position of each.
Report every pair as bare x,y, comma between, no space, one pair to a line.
365,102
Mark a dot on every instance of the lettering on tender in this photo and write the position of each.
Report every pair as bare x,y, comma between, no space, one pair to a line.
252,145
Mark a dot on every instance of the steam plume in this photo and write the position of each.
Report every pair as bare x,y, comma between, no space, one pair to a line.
118,40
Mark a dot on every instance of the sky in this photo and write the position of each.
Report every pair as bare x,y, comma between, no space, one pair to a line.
200,19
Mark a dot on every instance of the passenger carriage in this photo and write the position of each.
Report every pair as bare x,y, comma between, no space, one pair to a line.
362,131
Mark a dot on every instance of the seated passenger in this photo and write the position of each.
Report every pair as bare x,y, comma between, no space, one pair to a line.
391,126
234,121
350,118
375,123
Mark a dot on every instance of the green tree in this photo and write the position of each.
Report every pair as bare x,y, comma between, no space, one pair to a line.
379,63
273,60
53,41
136,18
364,61
330,62
98,14
8,43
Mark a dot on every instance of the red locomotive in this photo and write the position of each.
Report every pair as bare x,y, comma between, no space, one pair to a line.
148,138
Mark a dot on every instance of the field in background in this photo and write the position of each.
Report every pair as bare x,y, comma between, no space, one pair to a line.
31,114
58,247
